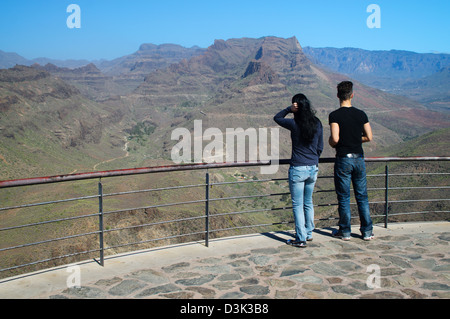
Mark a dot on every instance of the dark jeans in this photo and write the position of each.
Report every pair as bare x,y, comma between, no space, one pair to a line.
346,171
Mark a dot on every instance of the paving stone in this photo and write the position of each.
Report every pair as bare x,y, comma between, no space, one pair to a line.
441,294
228,277
223,285
388,283
394,238
267,271
176,267
444,236
245,271
345,247
358,285
232,295
423,275
260,260
239,263
397,261
85,292
327,269
435,286
293,271
211,260
343,256
442,268
248,281
280,283
196,281
391,271
179,295
108,282
334,280
312,295
126,287
320,252
315,287
255,290
265,251
382,247
345,290
151,276
425,263
216,269
347,265
374,260
239,255
406,281
306,278
286,294
205,292
185,275
383,295
413,256
157,290
413,294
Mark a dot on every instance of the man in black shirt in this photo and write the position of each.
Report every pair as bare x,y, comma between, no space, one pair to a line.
350,128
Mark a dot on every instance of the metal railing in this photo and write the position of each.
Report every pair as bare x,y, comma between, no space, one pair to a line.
15,256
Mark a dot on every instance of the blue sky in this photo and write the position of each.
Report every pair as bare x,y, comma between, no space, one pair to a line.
113,28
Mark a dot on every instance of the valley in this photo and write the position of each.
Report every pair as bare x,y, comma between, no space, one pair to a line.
121,114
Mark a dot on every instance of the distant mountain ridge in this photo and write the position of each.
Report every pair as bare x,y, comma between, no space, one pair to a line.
392,71
10,59
395,64
420,76
59,120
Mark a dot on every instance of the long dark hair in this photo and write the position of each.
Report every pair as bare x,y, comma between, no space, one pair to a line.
305,118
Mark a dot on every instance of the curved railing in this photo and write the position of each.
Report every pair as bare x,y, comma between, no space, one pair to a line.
215,204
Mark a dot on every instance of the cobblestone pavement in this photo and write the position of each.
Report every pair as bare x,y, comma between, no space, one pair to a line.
413,262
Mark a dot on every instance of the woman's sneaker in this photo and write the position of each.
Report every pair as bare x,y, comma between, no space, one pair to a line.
295,243
338,234
370,237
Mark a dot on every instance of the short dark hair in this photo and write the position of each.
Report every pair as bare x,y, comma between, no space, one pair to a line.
345,90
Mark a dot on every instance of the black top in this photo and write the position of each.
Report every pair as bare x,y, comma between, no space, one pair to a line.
302,154
351,127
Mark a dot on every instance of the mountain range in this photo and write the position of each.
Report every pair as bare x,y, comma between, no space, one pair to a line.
121,113
419,76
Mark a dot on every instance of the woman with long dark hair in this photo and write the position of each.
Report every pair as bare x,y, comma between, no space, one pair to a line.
307,145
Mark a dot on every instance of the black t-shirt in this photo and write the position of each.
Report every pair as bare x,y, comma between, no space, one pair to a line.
351,127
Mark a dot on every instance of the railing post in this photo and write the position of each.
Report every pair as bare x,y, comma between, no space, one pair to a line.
207,210
100,221
386,196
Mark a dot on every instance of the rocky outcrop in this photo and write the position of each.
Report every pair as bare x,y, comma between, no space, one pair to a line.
260,73
21,73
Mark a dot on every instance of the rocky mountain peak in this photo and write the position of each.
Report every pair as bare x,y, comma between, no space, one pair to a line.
260,73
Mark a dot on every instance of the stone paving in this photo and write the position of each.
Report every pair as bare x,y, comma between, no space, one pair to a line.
415,265
412,263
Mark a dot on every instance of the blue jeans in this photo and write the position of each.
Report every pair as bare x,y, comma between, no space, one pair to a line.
301,185
346,171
